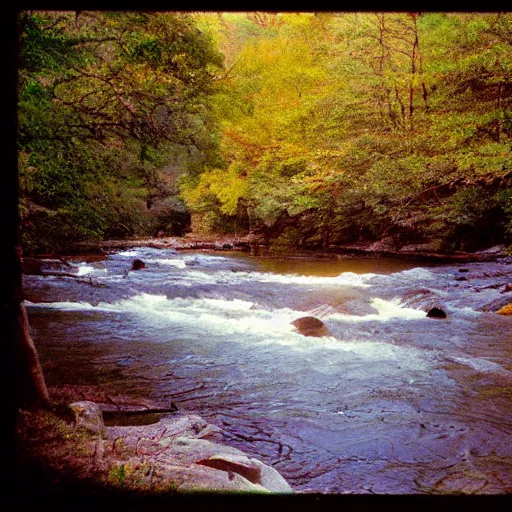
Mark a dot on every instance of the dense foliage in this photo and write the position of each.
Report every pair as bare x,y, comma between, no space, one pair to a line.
112,106
320,128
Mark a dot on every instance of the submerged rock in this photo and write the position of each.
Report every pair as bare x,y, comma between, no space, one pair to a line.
311,326
421,298
436,313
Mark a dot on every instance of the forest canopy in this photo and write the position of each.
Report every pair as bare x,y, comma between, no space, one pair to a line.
310,129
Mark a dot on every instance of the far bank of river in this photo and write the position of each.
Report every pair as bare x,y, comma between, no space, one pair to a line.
254,246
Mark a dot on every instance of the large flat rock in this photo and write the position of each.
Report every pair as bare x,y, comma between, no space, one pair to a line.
174,452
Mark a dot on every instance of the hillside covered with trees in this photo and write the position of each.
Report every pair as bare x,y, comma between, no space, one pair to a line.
309,129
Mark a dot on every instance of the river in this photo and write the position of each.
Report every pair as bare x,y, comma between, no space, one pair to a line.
392,402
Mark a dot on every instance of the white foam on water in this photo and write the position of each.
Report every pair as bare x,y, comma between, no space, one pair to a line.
206,258
417,274
72,306
234,278
172,262
410,277
161,302
128,253
208,315
84,269
467,311
229,315
219,315
346,278
386,310
239,321
372,350
186,261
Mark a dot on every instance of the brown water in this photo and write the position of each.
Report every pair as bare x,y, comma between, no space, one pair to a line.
391,403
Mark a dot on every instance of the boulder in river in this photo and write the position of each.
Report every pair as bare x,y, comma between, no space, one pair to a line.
138,264
436,312
311,326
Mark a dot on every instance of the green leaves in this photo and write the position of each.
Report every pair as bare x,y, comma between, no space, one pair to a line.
45,47
110,101
337,125
370,116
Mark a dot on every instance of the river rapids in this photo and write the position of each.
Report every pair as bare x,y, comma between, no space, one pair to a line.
391,402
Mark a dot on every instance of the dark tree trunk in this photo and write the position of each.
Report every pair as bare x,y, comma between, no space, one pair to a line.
31,390
30,386
22,366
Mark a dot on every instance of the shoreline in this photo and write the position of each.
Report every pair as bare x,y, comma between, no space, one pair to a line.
256,248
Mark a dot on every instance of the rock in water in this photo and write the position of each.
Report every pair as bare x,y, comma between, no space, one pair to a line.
138,264
436,313
311,326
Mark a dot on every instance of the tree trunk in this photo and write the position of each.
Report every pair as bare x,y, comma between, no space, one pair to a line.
31,390
30,387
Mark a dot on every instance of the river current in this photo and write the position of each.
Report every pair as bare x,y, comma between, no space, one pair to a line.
392,402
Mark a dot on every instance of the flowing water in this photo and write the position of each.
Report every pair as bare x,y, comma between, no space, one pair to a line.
392,402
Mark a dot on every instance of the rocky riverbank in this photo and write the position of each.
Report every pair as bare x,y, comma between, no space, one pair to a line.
188,242
118,444
254,244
